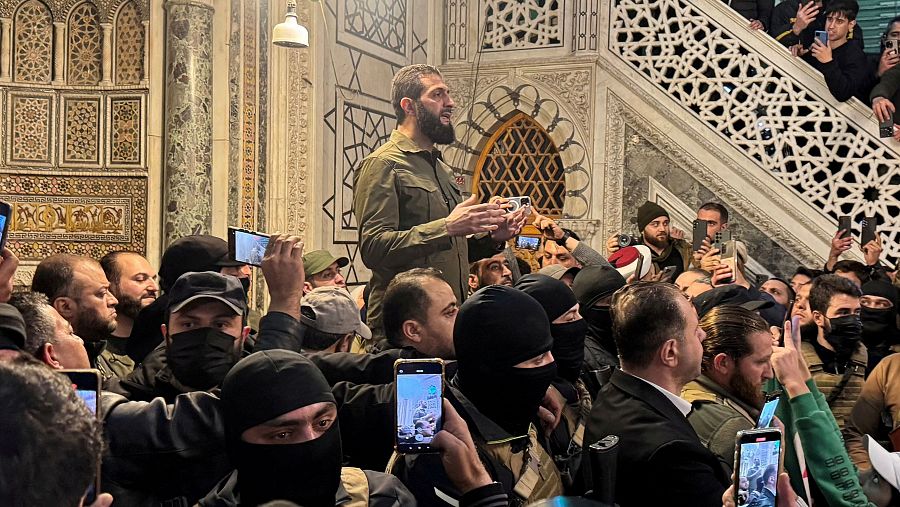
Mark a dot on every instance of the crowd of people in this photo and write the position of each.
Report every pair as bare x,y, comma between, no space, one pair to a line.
666,346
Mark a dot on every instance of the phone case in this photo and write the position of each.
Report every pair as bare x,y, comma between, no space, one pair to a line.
397,422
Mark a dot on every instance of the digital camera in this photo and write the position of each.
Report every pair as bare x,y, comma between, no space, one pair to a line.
628,240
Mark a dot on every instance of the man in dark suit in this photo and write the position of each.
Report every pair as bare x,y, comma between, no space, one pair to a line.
661,461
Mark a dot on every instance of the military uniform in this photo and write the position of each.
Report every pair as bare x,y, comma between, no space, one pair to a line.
840,390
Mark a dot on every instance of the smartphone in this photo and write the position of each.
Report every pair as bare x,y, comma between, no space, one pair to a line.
5,215
247,246
419,393
638,268
727,255
528,242
890,45
869,225
757,463
844,225
700,228
517,202
666,274
822,35
886,128
768,410
87,385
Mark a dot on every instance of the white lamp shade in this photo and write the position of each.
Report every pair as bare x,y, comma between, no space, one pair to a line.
290,34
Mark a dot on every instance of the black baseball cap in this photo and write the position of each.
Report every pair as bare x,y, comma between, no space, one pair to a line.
728,295
207,285
200,252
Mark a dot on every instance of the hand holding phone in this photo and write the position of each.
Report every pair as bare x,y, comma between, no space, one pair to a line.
419,411
700,228
87,386
844,226
528,243
757,465
247,246
869,226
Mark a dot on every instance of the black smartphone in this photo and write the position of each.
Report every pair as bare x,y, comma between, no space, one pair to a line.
700,228
757,462
5,215
246,246
666,275
768,410
87,386
869,225
886,128
419,385
844,225
822,35
528,243
638,268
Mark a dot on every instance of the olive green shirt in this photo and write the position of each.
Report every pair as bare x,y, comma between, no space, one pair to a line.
402,197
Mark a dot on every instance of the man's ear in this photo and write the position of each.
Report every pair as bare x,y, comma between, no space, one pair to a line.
473,282
66,307
818,318
346,343
668,353
307,288
163,329
412,331
723,363
48,356
239,343
408,106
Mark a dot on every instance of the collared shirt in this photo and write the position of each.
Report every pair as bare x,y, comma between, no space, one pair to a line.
680,403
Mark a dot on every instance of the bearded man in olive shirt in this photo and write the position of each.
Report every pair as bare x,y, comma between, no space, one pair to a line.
411,213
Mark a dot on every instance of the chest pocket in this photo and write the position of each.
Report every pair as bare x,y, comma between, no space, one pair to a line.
420,199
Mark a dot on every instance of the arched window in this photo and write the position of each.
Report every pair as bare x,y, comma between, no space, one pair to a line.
33,43
521,159
85,45
129,45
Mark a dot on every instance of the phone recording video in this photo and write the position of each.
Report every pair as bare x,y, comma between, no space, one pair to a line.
528,243
247,246
86,384
5,213
757,461
768,411
419,385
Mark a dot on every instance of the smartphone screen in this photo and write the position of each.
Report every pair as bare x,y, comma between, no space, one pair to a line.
247,246
419,413
757,461
87,386
528,242
5,212
768,412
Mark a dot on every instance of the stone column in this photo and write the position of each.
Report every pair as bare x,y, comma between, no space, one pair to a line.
187,152
145,79
107,63
59,53
5,48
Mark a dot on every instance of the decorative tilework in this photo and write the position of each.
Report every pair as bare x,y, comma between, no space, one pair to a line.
248,138
85,46
83,216
125,135
129,45
33,43
30,128
81,130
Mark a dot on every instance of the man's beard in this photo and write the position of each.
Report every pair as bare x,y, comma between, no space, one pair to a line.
92,327
430,125
662,244
746,392
128,306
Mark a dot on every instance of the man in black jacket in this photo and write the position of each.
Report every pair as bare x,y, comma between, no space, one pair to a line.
659,342
594,287
758,12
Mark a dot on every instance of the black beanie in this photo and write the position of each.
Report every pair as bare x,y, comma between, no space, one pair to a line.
881,287
499,327
267,384
648,212
555,296
595,282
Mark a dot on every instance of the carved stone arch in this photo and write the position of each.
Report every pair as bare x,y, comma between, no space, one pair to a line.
491,108
66,7
115,8
33,42
129,44
84,45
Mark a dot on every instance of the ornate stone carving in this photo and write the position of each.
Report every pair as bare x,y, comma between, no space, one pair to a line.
463,88
81,143
457,15
382,22
85,45
126,138
82,216
585,24
573,86
524,24
30,128
621,114
129,45
298,132
33,38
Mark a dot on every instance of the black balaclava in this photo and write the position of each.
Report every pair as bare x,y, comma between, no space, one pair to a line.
201,357
568,337
879,325
259,388
497,328
591,284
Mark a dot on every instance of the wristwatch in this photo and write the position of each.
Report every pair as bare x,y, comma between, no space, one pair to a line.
565,237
